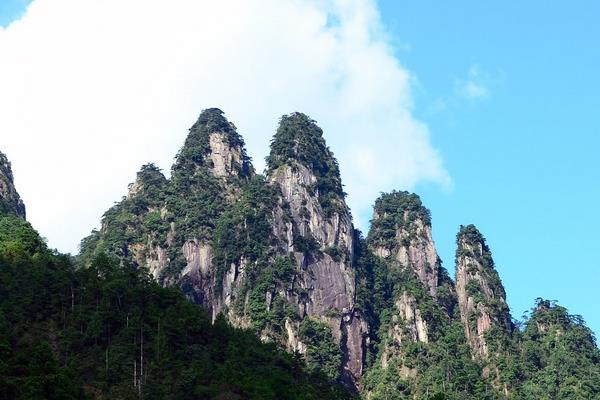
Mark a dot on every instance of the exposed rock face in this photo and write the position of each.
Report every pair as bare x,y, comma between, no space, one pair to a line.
226,160
268,253
321,228
213,143
481,296
416,326
401,237
401,231
10,201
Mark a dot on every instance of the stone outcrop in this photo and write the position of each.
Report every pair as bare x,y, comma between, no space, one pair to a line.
214,144
10,201
401,231
401,237
321,232
184,231
481,296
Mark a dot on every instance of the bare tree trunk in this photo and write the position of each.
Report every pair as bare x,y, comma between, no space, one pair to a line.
134,364
141,359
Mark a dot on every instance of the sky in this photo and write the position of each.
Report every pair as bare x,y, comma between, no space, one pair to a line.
486,111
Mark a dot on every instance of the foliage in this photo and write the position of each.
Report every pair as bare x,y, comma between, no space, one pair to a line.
244,231
68,333
193,154
299,139
444,366
473,251
394,211
323,355
559,356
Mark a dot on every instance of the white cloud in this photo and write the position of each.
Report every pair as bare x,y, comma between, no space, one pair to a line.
474,90
91,90
475,86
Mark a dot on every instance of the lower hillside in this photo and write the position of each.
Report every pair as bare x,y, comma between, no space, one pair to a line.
110,332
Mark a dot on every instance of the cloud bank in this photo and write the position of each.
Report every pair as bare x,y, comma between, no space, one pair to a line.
91,90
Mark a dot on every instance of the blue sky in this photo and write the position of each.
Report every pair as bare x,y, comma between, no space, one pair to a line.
508,93
11,9
524,158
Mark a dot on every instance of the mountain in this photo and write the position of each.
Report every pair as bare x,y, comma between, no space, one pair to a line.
110,331
291,301
273,253
10,201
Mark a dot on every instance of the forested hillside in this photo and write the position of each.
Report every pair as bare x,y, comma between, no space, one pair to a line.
109,331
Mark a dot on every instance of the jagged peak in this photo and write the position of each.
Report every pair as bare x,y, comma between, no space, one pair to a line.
472,250
300,140
400,206
213,142
469,235
394,223
401,232
481,295
5,167
148,176
10,201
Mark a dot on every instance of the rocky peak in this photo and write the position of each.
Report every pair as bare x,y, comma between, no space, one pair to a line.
319,233
299,144
147,178
481,296
10,201
401,231
213,143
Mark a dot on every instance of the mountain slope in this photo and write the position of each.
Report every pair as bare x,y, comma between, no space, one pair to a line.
110,332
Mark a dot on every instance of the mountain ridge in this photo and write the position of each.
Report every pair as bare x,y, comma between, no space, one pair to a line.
278,254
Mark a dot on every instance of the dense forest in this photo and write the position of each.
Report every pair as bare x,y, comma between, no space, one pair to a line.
109,331
221,283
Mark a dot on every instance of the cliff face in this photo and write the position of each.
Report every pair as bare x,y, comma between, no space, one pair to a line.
401,232
417,310
10,201
269,253
319,234
481,296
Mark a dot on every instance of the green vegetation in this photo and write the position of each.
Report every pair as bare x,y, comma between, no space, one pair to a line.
394,211
443,367
299,139
244,230
109,332
473,250
193,154
167,213
323,355
559,357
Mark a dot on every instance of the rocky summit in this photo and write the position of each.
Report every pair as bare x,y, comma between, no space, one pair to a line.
277,256
10,201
